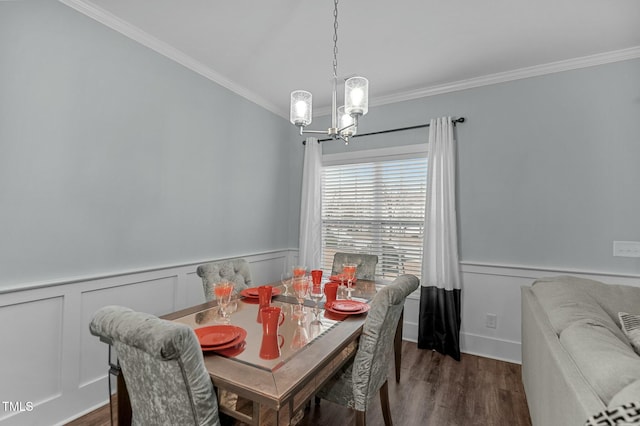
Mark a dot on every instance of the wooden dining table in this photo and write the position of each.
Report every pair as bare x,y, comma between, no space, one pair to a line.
315,344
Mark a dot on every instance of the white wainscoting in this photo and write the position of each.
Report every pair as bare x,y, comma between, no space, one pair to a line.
495,289
50,359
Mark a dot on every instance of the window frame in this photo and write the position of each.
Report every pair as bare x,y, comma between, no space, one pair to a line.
403,152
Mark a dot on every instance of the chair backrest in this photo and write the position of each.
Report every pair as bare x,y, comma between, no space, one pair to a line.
371,363
163,367
236,270
366,264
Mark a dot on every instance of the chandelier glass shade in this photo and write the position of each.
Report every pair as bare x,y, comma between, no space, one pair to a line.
356,96
347,123
301,105
344,120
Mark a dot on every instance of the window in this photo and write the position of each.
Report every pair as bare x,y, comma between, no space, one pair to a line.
376,207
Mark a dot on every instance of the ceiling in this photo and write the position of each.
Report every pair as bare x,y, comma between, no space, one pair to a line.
263,50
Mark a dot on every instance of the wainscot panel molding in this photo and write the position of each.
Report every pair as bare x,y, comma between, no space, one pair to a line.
495,289
56,366
53,370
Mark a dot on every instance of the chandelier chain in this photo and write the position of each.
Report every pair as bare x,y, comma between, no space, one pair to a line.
335,38
355,94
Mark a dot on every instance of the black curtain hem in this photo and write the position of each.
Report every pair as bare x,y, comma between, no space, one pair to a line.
439,321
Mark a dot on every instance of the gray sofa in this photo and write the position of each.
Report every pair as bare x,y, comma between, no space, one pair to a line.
576,359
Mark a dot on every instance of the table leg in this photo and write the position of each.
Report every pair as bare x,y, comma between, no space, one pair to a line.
285,414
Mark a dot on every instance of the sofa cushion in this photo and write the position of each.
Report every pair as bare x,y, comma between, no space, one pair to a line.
567,300
605,361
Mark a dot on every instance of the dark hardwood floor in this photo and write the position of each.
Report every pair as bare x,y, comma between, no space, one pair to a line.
434,391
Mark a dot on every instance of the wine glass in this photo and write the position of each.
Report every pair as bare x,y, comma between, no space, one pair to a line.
299,271
300,336
315,329
301,290
223,291
349,271
285,278
341,287
316,293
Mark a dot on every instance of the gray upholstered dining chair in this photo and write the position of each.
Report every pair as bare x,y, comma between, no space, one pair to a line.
357,383
366,264
236,270
163,367
367,271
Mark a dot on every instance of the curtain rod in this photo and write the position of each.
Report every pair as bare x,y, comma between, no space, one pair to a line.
455,121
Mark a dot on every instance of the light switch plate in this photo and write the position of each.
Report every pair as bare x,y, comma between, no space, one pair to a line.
626,248
491,321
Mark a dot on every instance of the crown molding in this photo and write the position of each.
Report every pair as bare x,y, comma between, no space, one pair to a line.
518,74
91,10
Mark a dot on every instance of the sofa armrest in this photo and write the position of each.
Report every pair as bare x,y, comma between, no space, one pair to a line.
557,393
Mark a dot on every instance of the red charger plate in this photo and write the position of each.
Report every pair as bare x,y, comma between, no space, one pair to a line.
332,316
234,351
217,335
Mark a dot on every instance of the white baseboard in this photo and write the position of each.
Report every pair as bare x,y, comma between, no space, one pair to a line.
481,346
491,347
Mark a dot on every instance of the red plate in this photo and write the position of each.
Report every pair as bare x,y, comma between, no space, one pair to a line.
337,279
217,335
347,305
234,351
203,331
363,308
332,316
252,292
229,345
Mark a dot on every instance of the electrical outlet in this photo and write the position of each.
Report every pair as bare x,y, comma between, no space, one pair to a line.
491,321
626,248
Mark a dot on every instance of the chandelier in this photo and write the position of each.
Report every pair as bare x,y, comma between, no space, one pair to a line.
344,120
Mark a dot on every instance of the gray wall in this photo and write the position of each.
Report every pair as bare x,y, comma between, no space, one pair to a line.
113,157
549,168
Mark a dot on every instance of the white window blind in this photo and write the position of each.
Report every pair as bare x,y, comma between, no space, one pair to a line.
375,208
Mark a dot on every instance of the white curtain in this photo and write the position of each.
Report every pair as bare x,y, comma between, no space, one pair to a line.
310,253
439,325
440,266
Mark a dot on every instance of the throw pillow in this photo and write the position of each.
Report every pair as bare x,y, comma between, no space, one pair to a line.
627,414
630,324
